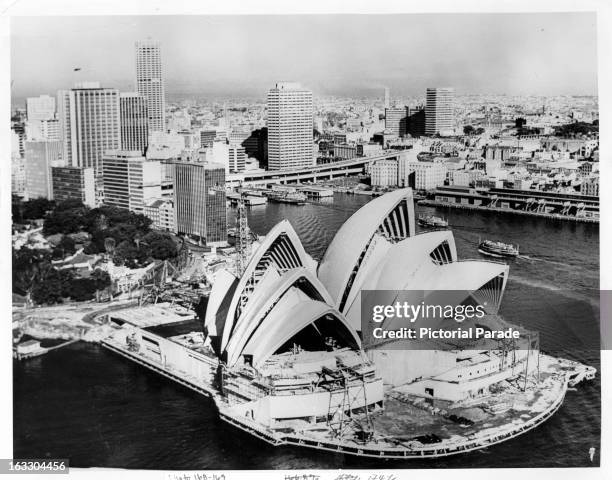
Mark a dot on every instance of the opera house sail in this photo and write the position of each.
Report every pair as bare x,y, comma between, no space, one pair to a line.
284,355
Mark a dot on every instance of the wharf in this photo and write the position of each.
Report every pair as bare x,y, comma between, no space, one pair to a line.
552,216
40,351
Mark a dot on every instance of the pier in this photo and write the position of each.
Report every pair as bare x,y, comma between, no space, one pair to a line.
572,207
19,355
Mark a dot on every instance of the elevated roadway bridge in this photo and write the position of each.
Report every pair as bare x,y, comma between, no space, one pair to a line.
354,166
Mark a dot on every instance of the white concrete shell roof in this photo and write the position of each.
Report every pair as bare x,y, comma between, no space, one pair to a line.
465,275
268,293
293,312
344,251
223,288
410,265
281,247
279,293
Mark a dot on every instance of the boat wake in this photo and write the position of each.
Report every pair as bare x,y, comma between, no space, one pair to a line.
544,260
553,288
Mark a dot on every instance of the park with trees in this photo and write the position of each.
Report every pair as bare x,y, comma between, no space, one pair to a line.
120,235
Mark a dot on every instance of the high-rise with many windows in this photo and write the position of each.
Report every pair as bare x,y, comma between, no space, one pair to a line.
134,122
130,180
89,124
395,120
199,201
40,156
40,108
149,82
74,183
290,127
439,111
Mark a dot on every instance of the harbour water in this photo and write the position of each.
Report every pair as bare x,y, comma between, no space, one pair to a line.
84,403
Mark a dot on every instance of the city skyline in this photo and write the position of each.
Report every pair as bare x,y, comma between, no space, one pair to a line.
243,55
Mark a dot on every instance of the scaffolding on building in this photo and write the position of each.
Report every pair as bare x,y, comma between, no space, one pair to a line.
343,417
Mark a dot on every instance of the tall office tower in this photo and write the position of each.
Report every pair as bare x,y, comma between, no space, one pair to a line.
18,178
395,120
74,183
290,127
415,123
387,98
439,111
89,123
134,122
18,138
40,108
199,201
40,156
130,180
237,158
43,129
150,84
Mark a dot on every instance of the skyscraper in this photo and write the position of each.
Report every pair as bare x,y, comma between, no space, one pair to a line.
439,111
415,122
395,120
40,108
134,122
387,98
41,123
89,124
290,127
199,201
43,129
74,183
40,156
237,158
130,180
149,82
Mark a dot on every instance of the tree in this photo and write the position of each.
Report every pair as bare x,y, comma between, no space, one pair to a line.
28,266
65,247
53,286
17,209
468,130
161,245
36,208
109,245
71,204
82,289
126,254
67,217
101,278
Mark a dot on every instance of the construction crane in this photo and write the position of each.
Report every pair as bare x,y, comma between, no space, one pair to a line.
243,239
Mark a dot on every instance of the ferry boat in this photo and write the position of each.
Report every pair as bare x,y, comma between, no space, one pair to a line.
295,198
432,221
498,249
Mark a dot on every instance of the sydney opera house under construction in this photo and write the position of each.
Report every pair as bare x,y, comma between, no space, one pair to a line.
282,351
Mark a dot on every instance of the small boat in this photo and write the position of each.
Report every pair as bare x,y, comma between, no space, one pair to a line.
432,221
498,249
295,198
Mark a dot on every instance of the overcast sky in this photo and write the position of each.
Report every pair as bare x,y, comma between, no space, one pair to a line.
207,56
